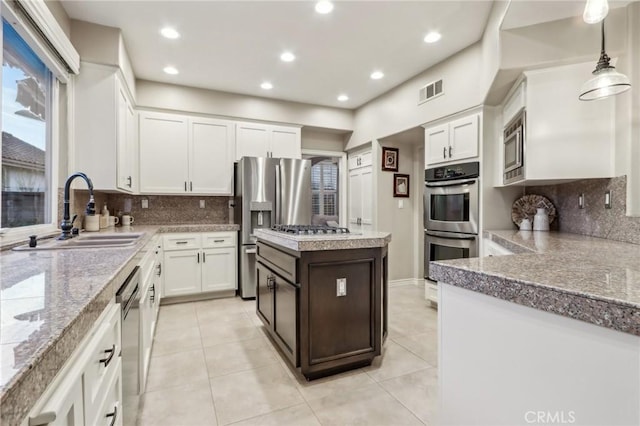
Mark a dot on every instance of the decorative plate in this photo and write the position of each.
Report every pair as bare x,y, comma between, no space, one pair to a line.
527,205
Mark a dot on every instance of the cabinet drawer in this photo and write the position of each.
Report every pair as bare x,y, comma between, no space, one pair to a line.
111,407
104,355
218,239
281,262
181,241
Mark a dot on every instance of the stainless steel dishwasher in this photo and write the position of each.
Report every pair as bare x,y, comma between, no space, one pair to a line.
129,298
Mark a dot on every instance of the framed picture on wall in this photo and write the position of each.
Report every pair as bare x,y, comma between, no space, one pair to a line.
390,159
400,185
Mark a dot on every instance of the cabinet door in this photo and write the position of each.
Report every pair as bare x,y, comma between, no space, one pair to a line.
366,190
164,157
285,142
264,296
211,156
285,324
124,144
355,199
219,269
436,141
67,405
463,138
182,272
252,140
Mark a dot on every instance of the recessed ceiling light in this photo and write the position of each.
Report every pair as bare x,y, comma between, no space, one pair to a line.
171,70
324,7
377,75
432,37
266,85
287,57
343,98
169,33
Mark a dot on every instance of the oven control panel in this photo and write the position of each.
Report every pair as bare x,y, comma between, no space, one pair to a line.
451,172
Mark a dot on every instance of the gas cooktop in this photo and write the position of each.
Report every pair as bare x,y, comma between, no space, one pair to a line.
309,229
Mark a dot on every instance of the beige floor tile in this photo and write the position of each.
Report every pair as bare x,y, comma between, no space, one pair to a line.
179,315
219,308
418,392
332,385
395,361
247,394
176,369
238,356
412,322
173,340
424,345
214,332
299,415
190,404
370,405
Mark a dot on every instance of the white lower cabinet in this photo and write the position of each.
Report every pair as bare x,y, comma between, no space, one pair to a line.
88,386
151,266
199,263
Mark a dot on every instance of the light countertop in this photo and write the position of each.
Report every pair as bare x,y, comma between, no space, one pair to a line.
324,241
585,278
49,300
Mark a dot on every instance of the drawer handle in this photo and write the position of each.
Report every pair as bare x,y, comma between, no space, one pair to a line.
204,257
182,242
159,269
114,415
152,296
218,241
271,282
108,359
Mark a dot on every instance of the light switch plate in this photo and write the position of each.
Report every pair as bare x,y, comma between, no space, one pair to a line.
341,287
607,200
400,204
145,204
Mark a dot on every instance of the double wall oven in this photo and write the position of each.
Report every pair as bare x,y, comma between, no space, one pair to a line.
451,215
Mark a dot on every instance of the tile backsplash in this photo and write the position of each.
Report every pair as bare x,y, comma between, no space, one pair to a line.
163,209
594,219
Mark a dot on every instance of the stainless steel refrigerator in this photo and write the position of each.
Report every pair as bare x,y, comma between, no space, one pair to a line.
268,191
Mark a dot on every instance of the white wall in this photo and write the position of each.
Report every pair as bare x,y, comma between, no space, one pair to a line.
95,43
181,98
391,218
322,140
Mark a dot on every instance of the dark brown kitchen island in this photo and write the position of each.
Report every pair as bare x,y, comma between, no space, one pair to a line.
323,299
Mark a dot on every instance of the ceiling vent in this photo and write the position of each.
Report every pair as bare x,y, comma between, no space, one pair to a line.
430,91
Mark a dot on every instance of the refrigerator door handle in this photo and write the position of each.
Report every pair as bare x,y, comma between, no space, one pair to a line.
277,220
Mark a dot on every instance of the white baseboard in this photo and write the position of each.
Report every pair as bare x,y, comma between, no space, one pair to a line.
407,281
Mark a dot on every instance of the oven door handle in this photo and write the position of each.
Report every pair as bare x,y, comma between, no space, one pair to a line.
450,235
457,183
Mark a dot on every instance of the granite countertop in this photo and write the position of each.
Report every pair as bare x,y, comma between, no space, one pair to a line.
585,278
324,241
49,300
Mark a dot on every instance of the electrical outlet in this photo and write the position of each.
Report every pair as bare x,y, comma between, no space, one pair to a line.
581,201
202,204
607,200
145,204
341,287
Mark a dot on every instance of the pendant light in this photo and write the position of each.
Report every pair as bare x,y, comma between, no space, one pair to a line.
606,80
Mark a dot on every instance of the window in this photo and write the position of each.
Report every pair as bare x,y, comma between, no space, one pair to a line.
324,188
27,89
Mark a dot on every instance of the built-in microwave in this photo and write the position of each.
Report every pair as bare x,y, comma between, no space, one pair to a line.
514,143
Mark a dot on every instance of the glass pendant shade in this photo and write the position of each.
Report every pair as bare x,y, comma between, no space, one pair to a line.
595,11
606,81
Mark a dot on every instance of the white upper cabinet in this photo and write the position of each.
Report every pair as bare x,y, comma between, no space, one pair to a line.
360,192
564,138
266,140
185,155
454,140
105,139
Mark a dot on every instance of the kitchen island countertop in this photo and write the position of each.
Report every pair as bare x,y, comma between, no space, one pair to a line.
325,241
585,278
50,300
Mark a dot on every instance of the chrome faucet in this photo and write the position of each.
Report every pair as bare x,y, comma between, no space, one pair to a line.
67,222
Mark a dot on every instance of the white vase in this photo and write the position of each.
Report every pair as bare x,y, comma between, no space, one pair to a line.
541,220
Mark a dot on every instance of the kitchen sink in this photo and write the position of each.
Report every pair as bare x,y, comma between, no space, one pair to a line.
86,242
